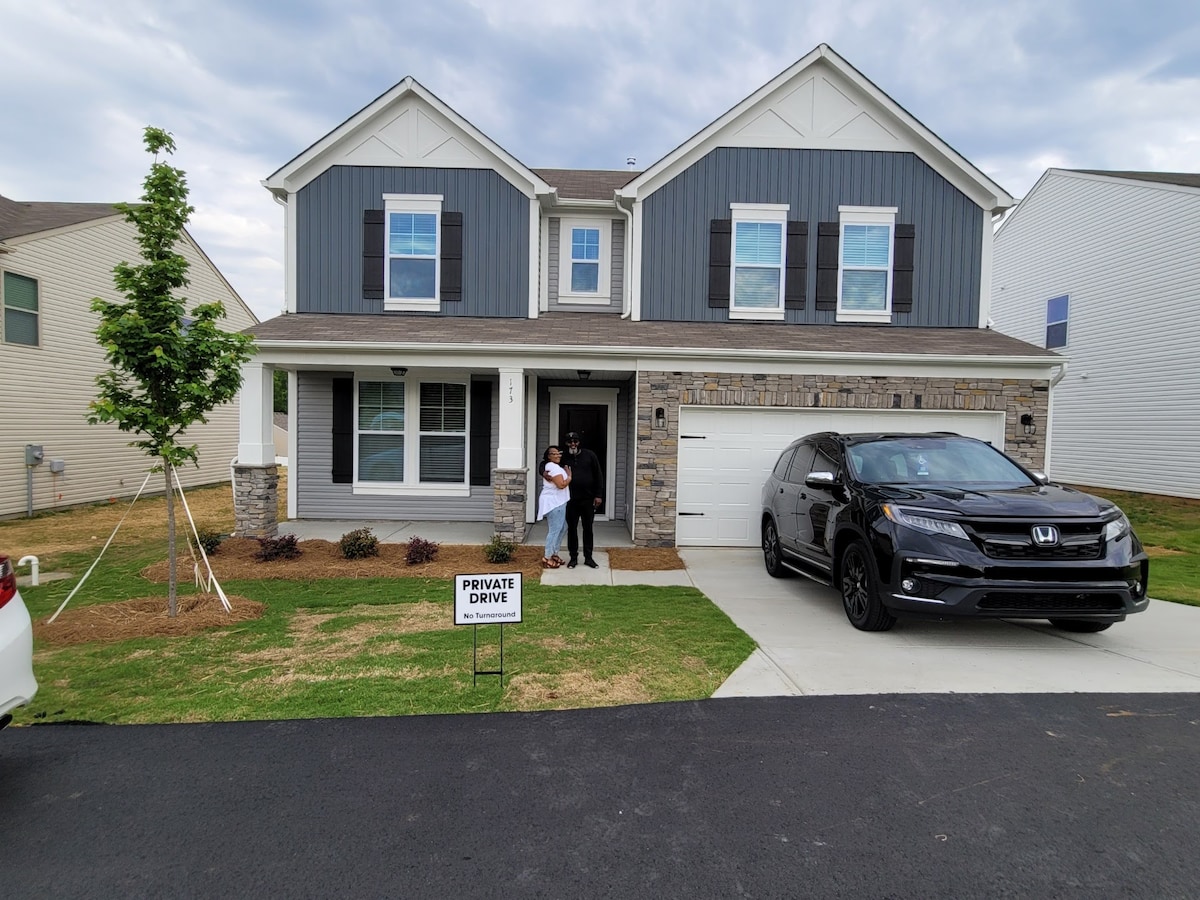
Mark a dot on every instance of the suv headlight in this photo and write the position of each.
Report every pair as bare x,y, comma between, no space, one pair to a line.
930,525
1117,528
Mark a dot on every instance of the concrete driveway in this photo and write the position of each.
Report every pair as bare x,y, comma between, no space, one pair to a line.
808,647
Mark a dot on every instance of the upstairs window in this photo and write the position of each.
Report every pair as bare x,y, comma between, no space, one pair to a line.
585,260
20,298
1058,310
758,257
412,249
865,263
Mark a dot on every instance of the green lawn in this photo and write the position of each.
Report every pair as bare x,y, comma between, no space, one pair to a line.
374,647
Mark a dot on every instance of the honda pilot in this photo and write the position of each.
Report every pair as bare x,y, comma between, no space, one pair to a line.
945,525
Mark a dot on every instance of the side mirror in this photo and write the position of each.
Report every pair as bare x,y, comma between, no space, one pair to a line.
820,480
1040,477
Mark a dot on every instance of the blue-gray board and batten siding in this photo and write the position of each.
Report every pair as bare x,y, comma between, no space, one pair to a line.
814,183
329,237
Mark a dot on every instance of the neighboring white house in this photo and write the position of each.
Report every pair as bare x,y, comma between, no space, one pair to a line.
54,258
1104,268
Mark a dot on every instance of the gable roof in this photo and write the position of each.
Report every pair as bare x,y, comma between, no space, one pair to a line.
821,101
1182,179
406,125
19,218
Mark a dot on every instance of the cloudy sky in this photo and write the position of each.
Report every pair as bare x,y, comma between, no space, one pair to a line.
1015,87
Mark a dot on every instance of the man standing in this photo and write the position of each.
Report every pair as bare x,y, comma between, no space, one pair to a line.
587,493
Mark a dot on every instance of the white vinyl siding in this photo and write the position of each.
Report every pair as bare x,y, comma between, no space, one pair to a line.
45,390
1126,415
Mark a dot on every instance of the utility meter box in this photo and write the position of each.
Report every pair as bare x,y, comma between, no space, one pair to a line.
58,466
34,454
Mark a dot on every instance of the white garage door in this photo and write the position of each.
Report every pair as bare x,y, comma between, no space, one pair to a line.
726,454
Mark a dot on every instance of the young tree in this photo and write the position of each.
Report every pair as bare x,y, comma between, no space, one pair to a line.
166,371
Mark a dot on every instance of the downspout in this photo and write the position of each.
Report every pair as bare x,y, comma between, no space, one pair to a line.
627,280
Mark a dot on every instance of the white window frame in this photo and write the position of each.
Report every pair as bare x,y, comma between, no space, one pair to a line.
36,313
603,292
412,203
1066,322
867,215
411,486
772,213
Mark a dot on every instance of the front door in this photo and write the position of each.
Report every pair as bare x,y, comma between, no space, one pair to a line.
591,421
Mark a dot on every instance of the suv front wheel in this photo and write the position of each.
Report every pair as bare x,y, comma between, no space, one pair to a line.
772,554
860,591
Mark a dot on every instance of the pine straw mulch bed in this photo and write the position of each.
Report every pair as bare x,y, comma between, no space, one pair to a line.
235,561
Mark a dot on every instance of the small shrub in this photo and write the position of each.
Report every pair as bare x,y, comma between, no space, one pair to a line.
498,550
420,551
209,540
283,547
358,544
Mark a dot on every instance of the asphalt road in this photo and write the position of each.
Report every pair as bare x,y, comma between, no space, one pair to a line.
1030,795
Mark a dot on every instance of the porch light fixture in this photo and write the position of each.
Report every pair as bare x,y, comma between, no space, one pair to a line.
660,418
584,374
399,371
1028,424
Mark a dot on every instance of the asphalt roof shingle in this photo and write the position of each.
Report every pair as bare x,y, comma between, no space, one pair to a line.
586,184
20,218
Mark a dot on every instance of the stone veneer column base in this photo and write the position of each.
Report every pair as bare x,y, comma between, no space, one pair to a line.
508,503
256,501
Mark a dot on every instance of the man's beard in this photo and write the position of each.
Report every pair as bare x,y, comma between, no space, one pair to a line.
574,451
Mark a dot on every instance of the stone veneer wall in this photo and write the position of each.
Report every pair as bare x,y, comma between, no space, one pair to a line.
509,486
256,501
658,450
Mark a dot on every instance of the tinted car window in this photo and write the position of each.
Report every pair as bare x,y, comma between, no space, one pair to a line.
800,462
781,467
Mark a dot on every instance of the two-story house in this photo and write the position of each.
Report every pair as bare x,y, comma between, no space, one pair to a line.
54,258
814,259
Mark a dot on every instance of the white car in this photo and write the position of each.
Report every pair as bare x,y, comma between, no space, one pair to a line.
17,684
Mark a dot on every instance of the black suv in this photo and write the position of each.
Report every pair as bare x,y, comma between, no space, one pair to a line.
945,525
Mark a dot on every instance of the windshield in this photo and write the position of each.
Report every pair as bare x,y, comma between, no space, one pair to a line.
934,461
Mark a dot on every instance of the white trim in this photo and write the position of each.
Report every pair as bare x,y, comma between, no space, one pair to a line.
293,482
412,203
634,264
985,269
867,215
385,489
566,260
538,252
532,451
592,397
752,213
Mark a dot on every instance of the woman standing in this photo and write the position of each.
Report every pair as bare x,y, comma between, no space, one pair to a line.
552,504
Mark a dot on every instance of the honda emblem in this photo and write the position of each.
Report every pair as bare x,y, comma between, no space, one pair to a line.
1045,535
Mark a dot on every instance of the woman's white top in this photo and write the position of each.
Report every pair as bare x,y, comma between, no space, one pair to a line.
552,496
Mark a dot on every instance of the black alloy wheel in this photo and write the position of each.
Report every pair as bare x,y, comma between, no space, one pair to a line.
860,591
772,553
1080,626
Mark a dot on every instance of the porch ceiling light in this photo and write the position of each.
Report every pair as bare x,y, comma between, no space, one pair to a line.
399,371
584,374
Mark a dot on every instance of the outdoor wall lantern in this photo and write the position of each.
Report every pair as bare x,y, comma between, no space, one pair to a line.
399,371
583,374
660,418
1027,423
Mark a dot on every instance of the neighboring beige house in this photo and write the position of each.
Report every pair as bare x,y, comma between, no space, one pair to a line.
54,258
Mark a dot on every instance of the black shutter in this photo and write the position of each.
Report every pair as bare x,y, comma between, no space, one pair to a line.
373,241
902,268
481,432
343,430
452,256
828,236
720,233
795,285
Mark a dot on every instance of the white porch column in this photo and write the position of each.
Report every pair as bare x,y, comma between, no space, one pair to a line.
256,443
510,453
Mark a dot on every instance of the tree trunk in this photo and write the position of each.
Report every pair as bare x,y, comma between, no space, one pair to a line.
173,589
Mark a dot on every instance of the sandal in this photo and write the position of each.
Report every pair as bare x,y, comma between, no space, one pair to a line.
558,559
550,563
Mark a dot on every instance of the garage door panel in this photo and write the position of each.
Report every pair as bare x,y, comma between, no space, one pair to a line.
726,454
